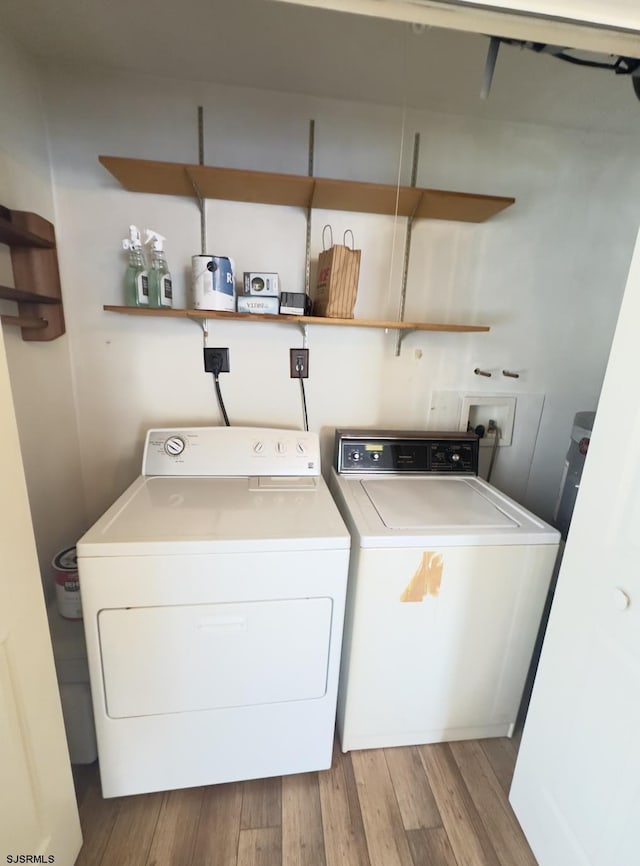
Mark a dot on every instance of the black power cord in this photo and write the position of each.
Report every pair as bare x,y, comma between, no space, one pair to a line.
620,65
493,428
220,400
304,404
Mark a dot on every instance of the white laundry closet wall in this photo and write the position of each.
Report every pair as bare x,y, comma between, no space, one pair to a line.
547,274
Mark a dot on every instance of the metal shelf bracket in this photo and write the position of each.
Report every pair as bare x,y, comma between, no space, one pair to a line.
400,336
304,329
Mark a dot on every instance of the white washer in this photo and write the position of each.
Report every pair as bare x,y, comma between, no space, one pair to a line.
447,583
213,598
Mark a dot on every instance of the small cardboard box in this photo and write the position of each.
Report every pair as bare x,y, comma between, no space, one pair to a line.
250,304
295,304
261,283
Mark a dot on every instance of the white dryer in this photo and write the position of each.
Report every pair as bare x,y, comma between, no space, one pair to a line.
447,583
213,598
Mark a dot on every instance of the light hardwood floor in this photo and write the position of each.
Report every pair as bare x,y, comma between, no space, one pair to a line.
439,805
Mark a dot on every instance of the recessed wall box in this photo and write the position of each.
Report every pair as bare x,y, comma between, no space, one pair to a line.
480,409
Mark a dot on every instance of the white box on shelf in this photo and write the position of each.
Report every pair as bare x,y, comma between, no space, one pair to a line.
250,304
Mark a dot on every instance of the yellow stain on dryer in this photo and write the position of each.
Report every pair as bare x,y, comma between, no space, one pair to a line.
426,580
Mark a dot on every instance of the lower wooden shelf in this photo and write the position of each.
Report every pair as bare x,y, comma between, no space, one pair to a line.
29,323
293,320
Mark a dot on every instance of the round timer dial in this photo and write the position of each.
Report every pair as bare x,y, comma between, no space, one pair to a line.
174,446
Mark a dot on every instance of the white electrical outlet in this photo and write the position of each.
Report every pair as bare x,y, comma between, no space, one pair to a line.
479,409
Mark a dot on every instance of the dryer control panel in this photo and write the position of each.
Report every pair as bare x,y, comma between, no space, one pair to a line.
231,451
420,452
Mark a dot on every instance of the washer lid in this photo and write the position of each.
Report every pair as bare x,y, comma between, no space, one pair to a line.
171,515
434,503
443,510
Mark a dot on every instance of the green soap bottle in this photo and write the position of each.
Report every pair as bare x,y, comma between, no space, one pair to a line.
160,286
136,277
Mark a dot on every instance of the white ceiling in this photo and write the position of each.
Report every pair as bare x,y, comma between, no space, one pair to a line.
276,46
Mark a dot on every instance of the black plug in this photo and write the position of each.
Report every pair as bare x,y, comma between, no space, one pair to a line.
216,361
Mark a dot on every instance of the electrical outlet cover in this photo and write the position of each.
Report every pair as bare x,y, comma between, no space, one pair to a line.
299,357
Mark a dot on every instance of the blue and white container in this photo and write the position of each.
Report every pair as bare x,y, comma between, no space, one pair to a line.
213,283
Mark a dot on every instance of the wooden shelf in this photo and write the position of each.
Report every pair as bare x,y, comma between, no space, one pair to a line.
9,293
14,231
259,187
35,273
292,320
33,323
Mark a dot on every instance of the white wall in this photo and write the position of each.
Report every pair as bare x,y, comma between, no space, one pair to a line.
40,372
547,274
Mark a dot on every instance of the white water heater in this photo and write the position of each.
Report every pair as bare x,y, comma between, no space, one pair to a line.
574,464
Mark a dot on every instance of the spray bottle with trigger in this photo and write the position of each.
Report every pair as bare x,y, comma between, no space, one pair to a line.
136,278
160,288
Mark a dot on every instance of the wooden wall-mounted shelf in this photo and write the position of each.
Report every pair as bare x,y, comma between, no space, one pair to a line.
294,320
261,187
36,276
307,192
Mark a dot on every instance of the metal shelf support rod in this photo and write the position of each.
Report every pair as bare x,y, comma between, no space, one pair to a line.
407,245
307,255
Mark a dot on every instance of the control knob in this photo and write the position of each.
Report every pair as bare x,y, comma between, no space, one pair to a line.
375,456
356,456
455,458
174,446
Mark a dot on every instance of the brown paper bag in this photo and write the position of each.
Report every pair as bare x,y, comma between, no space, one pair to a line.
337,284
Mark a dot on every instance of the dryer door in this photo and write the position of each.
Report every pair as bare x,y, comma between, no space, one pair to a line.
186,658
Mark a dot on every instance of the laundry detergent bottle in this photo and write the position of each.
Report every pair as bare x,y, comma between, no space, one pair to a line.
160,288
136,277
